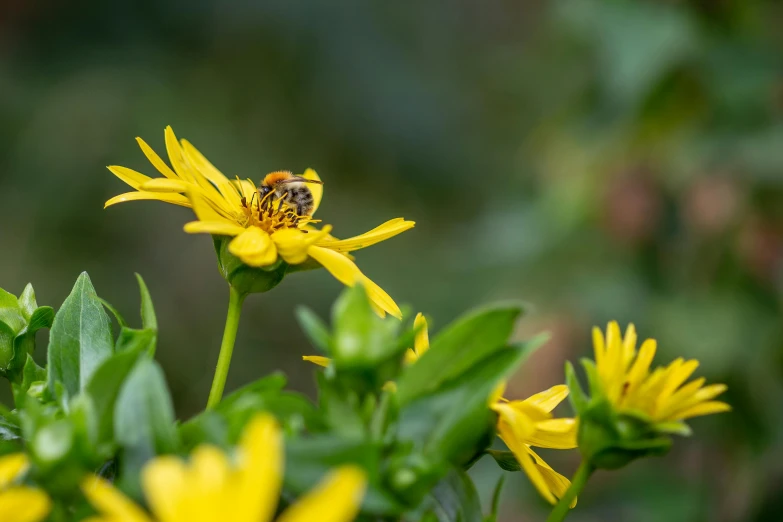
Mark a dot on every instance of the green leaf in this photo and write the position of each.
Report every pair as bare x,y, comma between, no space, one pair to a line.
7,337
455,498
117,315
271,383
456,349
315,328
493,514
80,339
104,387
505,459
144,415
148,319
27,301
9,429
10,311
143,421
131,339
451,424
208,427
42,317
576,395
309,460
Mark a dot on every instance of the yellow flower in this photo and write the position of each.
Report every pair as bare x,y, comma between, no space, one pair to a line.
20,503
262,233
660,396
522,424
209,488
420,345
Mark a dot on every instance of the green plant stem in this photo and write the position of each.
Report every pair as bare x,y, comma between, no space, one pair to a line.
578,482
226,348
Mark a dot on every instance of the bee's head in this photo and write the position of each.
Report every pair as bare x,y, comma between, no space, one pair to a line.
263,190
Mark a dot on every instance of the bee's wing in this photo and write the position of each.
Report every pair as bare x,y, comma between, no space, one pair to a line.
300,179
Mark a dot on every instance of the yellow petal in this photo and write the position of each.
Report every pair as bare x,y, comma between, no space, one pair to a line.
381,233
704,408
292,243
175,155
422,341
208,486
629,344
336,499
254,247
218,228
261,466
599,347
316,189
514,426
175,199
11,466
227,189
555,434
317,359
345,271
156,161
111,502
676,378
524,456
166,487
129,176
547,400
555,482
165,185
23,504
641,366
410,356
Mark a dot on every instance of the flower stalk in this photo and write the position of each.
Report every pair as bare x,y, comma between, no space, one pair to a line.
235,301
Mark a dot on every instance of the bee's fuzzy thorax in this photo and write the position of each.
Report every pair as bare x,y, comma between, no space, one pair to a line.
275,177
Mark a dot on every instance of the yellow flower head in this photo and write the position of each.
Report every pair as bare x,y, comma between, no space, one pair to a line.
263,233
211,488
19,503
661,395
522,424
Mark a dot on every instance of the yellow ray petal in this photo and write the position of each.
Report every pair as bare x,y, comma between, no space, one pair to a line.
23,504
629,344
555,434
599,347
228,190
555,482
175,155
704,408
156,160
218,228
346,271
422,341
165,185
317,190
641,366
524,456
11,466
262,462
677,376
336,499
381,233
254,247
175,199
111,502
208,486
547,400
129,176
165,485
513,424
317,359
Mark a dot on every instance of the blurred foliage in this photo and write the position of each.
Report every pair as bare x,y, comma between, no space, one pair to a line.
601,159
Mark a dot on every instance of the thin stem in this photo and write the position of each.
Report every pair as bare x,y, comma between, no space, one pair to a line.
226,348
578,482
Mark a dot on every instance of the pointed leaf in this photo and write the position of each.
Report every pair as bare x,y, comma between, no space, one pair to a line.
27,301
117,315
460,346
576,394
148,318
314,327
506,460
80,338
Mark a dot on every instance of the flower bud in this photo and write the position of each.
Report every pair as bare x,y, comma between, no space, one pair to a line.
20,318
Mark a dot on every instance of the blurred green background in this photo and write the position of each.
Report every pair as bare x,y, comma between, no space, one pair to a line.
597,159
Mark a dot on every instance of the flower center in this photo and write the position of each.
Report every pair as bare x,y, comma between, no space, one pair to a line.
270,214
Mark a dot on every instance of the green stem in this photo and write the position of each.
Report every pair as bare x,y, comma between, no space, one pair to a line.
578,482
226,348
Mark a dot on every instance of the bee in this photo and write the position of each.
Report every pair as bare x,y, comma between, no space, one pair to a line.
293,190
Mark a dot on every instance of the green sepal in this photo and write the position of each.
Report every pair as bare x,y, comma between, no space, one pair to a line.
243,278
20,319
576,394
505,459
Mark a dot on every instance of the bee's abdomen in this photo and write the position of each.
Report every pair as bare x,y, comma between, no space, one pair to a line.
302,199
